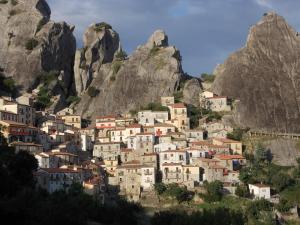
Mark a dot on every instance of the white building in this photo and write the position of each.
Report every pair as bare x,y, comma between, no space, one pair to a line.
173,156
260,191
149,118
148,177
86,142
164,147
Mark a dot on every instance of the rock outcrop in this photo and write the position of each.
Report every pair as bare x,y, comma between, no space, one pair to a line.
31,43
265,77
109,82
191,91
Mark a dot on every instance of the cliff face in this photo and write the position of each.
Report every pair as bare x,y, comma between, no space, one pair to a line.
124,83
265,77
30,43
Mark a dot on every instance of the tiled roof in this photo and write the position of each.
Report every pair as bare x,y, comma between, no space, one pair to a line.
226,157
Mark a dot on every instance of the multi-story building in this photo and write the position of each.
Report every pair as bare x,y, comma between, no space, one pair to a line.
142,143
173,156
172,173
72,120
149,118
7,115
179,116
107,150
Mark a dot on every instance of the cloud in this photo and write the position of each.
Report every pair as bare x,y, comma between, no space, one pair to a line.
205,31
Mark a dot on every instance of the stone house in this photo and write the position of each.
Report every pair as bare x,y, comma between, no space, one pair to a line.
72,120
172,173
173,156
234,146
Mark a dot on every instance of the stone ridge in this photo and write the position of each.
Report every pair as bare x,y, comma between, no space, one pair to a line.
265,77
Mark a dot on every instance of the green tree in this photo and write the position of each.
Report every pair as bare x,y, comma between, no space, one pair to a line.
160,188
214,191
260,154
242,191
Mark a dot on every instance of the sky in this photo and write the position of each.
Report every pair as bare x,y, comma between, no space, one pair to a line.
205,31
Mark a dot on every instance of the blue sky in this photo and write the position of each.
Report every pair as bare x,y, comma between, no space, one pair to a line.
205,31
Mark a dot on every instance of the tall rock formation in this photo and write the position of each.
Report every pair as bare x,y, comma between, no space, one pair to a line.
109,82
265,77
30,43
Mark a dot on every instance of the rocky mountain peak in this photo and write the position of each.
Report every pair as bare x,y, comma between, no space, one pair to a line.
159,39
265,77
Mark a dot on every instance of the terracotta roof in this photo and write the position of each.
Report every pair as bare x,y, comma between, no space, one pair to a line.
226,140
163,125
25,144
178,105
126,150
107,117
170,151
172,164
132,162
216,167
58,170
227,157
141,134
135,125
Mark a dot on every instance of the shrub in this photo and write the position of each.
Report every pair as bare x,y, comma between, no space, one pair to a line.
12,12
214,191
3,1
242,191
237,134
121,55
154,50
40,25
116,66
9,83
31,44
112,78
208,77
178,96
155,107
100,26
160,188
93,92
47,77
73,99
284,205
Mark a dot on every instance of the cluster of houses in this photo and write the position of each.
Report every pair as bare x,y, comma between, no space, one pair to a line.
124,154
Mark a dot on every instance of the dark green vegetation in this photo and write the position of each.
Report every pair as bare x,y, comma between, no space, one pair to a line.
196,113
155,107
7,85
47,82
102,26
213,191
40,25
237,134
73,99
208,77
93,92
12,12
121,55
3,1
181,194
31,44
206,217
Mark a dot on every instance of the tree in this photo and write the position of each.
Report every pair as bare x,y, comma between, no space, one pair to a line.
160,188
260,154
280,181
242,191
214,191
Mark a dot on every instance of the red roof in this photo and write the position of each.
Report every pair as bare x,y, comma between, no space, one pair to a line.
178,105
229,157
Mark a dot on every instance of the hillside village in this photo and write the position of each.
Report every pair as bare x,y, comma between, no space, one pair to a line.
124,154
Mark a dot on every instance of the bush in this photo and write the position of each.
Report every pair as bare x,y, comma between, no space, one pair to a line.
93,92
9,83
208,77
31,44
100,26
284,205
73,99
214,191
12,12
280,181
242,191
3,1
121,55
112,78
155,107
116,66
40,25
160,188
237,134
178,96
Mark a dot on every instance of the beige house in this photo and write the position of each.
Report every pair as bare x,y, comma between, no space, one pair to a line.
107,150
73,120
173,156
191,175
234,146
172,173
179,116
209,100
231,162
28,147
